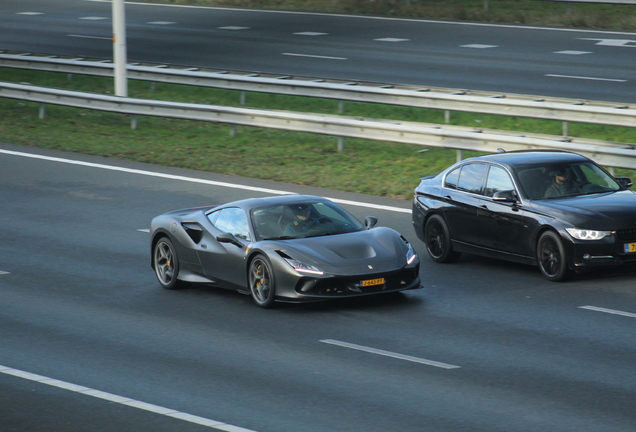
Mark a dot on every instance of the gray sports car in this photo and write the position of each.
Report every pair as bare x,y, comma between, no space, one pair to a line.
291,248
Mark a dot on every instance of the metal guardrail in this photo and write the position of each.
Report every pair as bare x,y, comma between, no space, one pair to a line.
561,109
430,135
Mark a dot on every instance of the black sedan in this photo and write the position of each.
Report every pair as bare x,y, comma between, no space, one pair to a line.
558,210
292,248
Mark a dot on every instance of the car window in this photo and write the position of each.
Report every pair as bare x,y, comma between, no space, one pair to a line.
498,180
232,220
471,177
451,178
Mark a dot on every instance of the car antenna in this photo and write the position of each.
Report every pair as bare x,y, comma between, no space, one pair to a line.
500,150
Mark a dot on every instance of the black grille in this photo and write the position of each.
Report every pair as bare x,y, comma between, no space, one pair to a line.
626,234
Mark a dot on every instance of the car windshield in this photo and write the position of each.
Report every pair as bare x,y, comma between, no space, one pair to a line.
565,180
301,220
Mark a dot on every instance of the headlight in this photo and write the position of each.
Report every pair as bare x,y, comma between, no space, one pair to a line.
302,267
410,254
583,234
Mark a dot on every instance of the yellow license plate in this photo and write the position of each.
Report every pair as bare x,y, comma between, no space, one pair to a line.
630,247
371,282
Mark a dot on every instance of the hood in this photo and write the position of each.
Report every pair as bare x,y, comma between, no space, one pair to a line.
604,211
362,252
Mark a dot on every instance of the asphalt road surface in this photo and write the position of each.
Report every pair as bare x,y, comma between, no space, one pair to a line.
583,64
90,342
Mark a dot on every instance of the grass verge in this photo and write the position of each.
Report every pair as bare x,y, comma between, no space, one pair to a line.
376,168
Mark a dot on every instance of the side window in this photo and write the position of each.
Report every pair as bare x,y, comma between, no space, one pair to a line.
232,220
498,180
471,178
451,178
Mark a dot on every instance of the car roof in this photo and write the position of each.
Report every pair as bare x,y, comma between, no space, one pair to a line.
529,158
252,203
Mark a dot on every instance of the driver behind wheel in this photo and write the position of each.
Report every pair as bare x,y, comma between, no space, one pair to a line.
562,183
301,220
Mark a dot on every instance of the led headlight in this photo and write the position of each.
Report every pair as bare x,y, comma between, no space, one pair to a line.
410,254
302,267
583,234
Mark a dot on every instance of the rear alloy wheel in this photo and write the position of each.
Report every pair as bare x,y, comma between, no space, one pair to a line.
166,264
438,242
261,280
551,257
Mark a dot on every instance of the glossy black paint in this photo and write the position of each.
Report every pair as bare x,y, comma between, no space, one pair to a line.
337,261
508,223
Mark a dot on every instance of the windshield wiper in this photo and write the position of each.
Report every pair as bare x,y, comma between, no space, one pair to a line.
283,237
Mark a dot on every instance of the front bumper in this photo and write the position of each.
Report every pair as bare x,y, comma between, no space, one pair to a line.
315,288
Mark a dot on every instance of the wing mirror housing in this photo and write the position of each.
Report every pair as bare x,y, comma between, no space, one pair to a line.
626,182
229,238
509,196
370,221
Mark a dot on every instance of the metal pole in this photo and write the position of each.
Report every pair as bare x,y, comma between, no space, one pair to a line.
119,48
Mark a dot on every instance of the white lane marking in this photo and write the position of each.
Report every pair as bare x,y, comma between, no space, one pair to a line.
93,18
161,22
613,42
122,400
391,40
30,13
390,354
314,56
89,37
377,18
145,230
479,46
308,33
4,272
585,78
609,311
233,28
572,52
193,180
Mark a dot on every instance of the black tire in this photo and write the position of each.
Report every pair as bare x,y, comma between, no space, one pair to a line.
551,257
166,264
261,282
438,242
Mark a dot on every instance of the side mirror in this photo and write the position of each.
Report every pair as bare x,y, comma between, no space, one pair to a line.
370,221
229,238
505,196
626,182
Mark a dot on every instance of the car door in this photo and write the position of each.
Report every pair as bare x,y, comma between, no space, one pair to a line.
225,261
503,225
461,187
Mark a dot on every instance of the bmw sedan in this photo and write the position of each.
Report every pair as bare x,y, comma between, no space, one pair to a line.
558,210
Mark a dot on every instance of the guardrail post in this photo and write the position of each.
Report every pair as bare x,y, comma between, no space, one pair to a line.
340,144
340,106
447,116
153,86
69,77
133,122
232,130
242,99
566,129
460,155
42,111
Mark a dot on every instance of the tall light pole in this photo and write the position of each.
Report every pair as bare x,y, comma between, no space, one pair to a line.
119,48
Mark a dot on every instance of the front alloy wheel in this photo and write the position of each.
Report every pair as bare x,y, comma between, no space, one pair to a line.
551,257
261,280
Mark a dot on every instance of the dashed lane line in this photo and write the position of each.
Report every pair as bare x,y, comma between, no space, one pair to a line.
609,311
390,354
